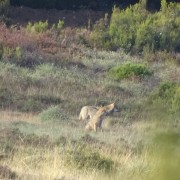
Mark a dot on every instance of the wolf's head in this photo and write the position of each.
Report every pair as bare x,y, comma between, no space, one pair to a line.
111,108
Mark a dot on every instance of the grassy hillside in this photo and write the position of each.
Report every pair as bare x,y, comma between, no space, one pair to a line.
48,72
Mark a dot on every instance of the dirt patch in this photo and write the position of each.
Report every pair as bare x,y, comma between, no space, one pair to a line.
23,15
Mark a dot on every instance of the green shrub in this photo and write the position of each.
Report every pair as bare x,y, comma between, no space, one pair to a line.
175,108
160,31
58,27
168,96
38,27
100,37
60,24
164,94
12,54
163,6
166,90
82,157
124,24
135,28
18,52
53,113
8,52
147,35
129,70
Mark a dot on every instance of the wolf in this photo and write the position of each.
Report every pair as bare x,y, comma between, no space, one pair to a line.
96,121
87,112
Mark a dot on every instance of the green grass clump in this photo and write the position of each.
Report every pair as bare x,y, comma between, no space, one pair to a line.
82,157
175,107
129,70
38,27
166,90
167,96
54,113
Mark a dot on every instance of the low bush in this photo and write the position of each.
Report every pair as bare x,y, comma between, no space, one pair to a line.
11,54
60,25
129,70
175,107
38,27
53,113
100,37
82,157
41,27
168,95
166,90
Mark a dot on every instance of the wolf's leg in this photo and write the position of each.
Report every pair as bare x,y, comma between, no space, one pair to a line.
95,127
